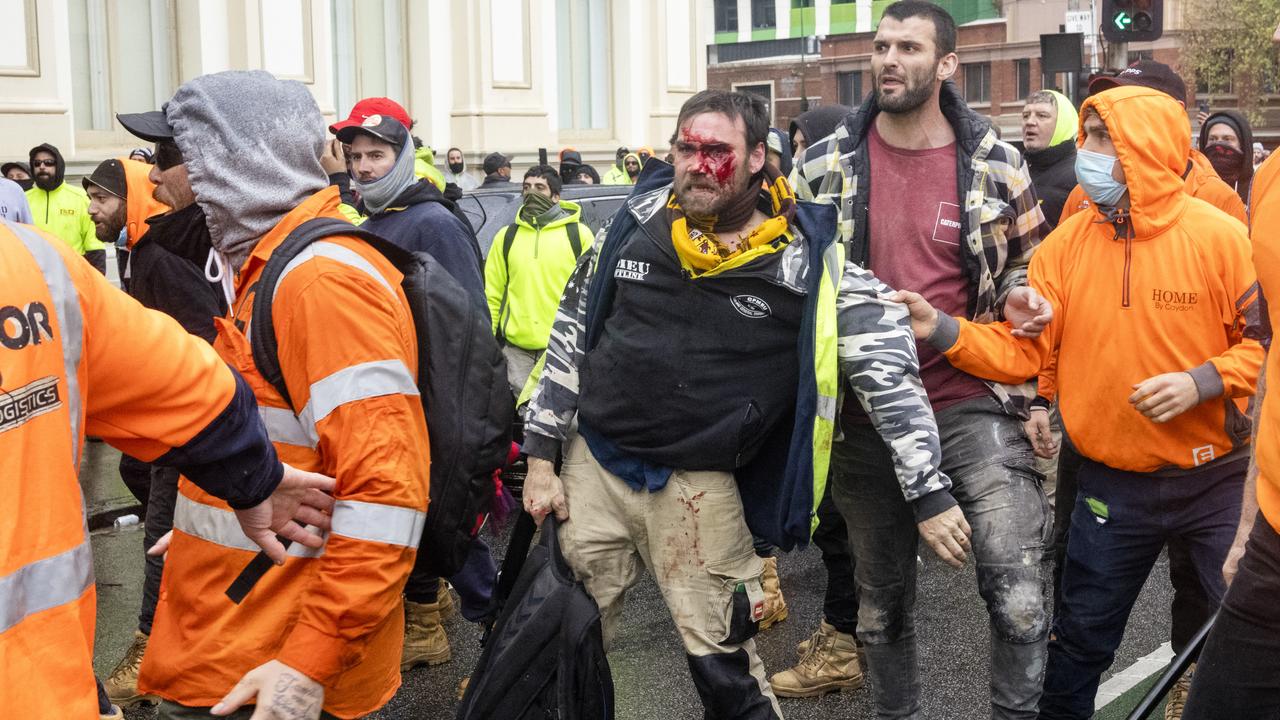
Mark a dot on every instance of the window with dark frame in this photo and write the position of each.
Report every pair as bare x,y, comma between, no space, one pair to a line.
1022,71
977,82
764,14
849,88
726,12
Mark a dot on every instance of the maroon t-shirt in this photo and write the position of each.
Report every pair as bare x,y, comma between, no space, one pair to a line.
915,245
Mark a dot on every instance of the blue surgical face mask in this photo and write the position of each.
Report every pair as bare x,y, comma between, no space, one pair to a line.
1093,171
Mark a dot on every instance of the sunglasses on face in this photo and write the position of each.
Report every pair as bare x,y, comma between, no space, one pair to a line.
168,155
44,163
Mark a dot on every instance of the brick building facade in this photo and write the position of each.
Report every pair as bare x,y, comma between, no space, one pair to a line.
995,74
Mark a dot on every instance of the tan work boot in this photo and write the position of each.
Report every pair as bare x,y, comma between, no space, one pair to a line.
122,683
830,665
425,641
775,606
802,647
1178,695
445,599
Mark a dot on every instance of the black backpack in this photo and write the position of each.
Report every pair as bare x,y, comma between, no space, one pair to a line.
462,376
544,658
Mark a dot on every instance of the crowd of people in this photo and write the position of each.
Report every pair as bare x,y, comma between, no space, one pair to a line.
880,326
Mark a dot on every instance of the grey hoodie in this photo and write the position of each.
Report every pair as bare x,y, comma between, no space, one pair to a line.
13,202
252,148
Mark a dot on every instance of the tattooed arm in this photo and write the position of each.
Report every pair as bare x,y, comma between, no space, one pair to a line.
280,692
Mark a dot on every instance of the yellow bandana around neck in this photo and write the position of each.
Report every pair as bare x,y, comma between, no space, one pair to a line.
703,254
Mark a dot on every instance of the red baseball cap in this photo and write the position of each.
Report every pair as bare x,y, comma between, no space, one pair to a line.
373,106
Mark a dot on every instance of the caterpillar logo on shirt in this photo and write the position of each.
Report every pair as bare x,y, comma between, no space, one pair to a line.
751,306
29,401
20,328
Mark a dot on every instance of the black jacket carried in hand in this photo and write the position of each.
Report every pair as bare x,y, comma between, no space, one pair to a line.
545,656
1053,173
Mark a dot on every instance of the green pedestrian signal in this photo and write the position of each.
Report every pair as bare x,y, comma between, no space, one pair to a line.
1132,20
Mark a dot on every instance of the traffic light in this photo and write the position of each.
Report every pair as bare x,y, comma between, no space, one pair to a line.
1132,20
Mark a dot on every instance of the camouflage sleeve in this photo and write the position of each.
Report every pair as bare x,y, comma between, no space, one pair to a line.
554,403
822,175
878,357
1026,231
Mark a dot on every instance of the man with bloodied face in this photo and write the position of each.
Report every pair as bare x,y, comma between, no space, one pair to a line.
701,346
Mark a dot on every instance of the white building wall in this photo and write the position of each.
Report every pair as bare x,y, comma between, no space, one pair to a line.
483,75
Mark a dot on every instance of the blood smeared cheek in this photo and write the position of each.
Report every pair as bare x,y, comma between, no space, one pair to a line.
719,164
711,157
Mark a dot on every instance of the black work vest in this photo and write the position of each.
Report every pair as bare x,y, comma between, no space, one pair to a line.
692,374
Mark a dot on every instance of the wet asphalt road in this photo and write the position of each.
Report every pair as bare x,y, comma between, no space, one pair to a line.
650,675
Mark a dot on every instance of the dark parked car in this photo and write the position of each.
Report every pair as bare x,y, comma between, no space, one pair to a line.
490,210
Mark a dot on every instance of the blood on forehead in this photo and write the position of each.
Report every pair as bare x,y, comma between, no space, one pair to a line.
711,156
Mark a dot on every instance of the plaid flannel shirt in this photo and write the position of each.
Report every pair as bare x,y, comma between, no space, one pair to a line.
1001,220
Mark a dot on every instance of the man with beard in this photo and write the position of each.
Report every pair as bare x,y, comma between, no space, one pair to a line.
63,209
701,347
930,199
154,205
320,632
457,173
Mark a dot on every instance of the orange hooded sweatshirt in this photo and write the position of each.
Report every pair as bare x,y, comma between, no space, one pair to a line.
1161,288
1264,213
141,202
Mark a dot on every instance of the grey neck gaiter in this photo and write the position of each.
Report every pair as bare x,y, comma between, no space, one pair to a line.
379,194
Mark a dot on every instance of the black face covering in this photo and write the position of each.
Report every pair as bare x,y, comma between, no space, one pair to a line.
26,183
456,168
1227,161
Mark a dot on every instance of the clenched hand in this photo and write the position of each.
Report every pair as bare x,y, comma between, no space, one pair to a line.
1165,397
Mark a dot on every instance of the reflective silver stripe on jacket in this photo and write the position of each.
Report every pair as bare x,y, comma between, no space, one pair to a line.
374,522
350,384
332,251
221,527
45,584
67,317
283,427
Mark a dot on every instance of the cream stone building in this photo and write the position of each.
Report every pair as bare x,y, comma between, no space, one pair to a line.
483,75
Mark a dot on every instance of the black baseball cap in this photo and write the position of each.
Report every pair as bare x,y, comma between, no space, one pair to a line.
109,175
383,127
152,126
1145,73
4,169
494,161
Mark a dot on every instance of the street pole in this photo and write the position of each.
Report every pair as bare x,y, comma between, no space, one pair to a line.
1117,55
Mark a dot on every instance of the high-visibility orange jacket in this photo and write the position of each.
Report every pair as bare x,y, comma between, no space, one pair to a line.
1264,212
348,353
66,339
1165,288
140,202
1201,181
